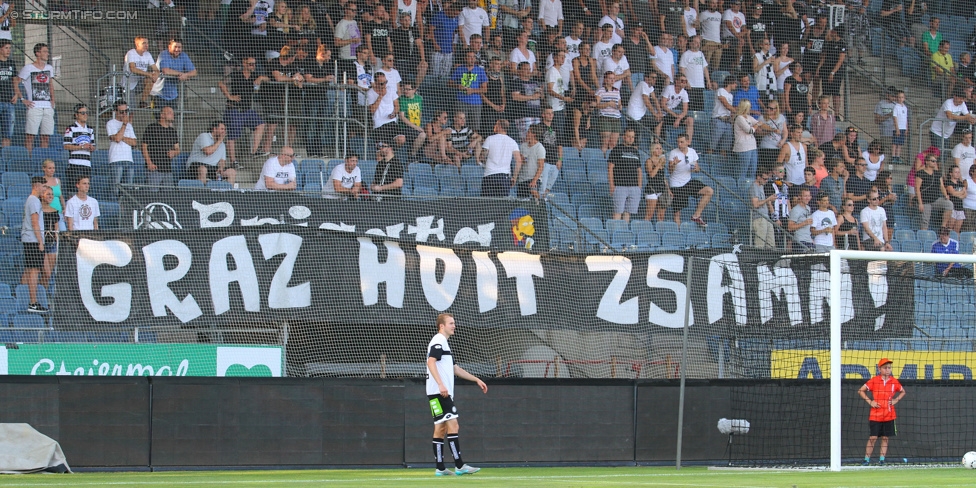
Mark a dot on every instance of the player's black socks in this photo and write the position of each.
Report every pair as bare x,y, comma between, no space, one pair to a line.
439,453
452,439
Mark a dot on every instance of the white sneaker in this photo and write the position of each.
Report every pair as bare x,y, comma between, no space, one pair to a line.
443,472
466,469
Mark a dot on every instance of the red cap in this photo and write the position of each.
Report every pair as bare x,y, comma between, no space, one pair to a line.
883,362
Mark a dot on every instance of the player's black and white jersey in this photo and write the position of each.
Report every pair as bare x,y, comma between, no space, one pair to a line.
439,350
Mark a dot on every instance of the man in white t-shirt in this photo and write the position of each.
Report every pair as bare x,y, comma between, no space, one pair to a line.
498,155
603,47
346,180
81,211
551,15
642,100
664,60
617,64
123,139
557,87
141,66
573,41
732,32
694,66
473,20
278,172
710,22
613,19
682,162
964,153
38,80
874,225
384,105
824,221
953,111
722,136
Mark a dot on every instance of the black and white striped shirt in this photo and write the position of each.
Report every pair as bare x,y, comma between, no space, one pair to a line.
77,135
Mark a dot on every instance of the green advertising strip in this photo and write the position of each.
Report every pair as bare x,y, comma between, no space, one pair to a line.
141,360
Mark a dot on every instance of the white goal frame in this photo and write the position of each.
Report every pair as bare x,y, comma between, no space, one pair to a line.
836,255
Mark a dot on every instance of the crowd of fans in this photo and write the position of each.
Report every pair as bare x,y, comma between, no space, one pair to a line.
520,81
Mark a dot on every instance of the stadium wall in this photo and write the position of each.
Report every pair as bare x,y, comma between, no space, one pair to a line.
169,423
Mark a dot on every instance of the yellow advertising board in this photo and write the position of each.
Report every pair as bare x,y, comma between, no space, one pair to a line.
910,365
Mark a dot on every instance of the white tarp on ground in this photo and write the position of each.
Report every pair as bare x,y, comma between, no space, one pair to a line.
25,450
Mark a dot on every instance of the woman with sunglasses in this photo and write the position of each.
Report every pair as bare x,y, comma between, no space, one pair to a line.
851,147
846,232
874,157
773,129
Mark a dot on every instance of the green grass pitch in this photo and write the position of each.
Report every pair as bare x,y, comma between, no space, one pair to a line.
510,477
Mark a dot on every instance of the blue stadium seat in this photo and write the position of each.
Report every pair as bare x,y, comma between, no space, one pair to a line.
721,241
911,246
415,169
594,239
15,158
473,185
561,222
311,165
592,223
926,237
639,226
219,185
444,170
904,235
452,182
425,182
558,198
688,228
368,169
109,218
13,209
698,239
566,239
26,320
673,241
716,228
14,178
190,184
666,226
472,171
623,240
17,336
649,238
613,225
312,187
19,191
589,210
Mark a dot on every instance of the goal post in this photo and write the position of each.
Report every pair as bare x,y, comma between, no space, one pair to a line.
837,259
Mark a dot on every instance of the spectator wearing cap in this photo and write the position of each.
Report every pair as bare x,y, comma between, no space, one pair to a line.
948,245
389,172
